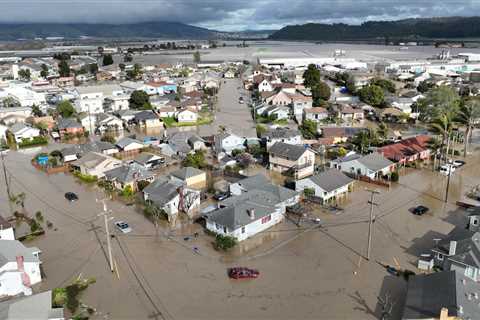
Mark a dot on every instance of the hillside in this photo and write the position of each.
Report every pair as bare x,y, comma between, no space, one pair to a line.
171,30
431,28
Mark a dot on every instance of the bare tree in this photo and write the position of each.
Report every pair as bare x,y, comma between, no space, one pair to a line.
387,304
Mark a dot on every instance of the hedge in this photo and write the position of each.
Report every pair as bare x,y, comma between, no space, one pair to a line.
35,141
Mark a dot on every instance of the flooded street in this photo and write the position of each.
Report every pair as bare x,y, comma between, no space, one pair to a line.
306,273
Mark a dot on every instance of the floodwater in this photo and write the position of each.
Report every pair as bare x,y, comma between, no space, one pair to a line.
305,273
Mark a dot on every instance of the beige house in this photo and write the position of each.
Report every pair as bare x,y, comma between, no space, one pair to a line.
293,159
282,98
192,177
95,164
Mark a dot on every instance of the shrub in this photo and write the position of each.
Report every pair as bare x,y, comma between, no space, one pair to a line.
309,192
85,177
394,176
127,192
142,184
39,216
35,141
224,242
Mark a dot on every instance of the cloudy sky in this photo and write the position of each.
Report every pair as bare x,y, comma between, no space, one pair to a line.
230,15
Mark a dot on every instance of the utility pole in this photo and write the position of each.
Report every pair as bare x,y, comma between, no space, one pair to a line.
371,221
105,214
449,173
7,184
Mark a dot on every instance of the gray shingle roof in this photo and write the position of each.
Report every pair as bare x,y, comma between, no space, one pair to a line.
66,123
11,249
122,143
128,173
280,133
186,172
287,151
17,127
428,294
162,190
375,161
37,306
330,180
260,182
81,149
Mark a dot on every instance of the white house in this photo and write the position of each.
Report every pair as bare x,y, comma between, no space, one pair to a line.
6,230
255,205
286,135
373,165
19,268
37,306
23,132
129,144
265,86
90,100
316,114
327,186
187,116
227,142
25,96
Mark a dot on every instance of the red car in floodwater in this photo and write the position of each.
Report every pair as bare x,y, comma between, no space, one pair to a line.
243,273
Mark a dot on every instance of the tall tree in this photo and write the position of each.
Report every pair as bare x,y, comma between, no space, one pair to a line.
311,76
24,74
196,57
442,125
139,99
372,95
320,92
63,68
468,115
44,72
107,60
439,101
65,109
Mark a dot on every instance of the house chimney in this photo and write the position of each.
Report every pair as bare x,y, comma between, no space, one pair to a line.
444,314
453,248
251,213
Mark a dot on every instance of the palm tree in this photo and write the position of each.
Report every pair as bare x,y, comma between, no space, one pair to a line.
382,130
442,126
364,139
467,116
435,146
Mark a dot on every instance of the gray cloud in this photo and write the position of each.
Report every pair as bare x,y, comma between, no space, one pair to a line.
229,14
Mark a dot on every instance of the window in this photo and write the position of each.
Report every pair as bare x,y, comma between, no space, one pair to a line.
217,226
224,229
440,256
266,219
243,229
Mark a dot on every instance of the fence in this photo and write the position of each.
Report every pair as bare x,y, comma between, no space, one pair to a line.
377,182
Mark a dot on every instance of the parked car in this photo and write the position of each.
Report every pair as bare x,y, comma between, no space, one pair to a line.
123,226
70,196
243,273
447,169
221,196
420,210
458,163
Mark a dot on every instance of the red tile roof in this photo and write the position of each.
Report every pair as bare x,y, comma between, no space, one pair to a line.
405,148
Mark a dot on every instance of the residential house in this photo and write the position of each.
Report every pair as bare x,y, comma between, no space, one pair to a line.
130,145
190,177
229,74
183,143
149,160
128,175
69,127
19,268
6,230
127,116
459,250
300,104
38,306
165,193
147,119
339,134
277,112
280,98
286,135
296,159
14,114
22,132
95,164
90,100
329,186
186,116
227,142
77,151
106,122
265,86
316,114
373,165
349,114
408,150
255,205
445,295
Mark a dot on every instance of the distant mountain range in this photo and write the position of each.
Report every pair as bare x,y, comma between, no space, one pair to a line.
149,30
170,30
426,28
